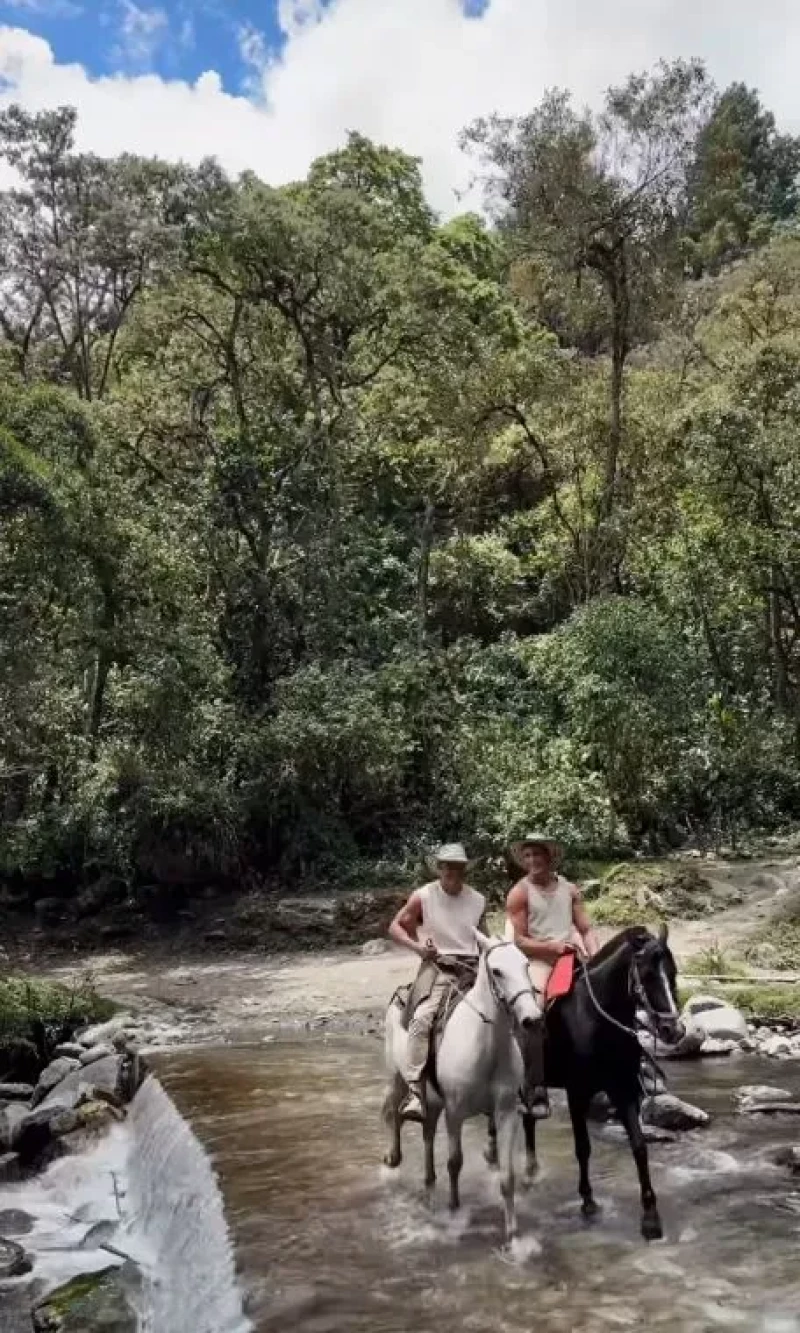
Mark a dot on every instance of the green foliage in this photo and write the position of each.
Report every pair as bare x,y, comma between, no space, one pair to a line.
23,1000
330,530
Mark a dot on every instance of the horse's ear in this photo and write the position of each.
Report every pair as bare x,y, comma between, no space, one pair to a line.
483,940
663,933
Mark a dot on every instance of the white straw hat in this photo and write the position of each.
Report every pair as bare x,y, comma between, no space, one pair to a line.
452,854
537,840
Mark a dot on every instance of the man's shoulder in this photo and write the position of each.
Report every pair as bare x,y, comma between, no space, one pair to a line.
518,890
474,895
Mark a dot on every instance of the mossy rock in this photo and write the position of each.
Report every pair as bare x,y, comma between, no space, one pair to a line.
94,1303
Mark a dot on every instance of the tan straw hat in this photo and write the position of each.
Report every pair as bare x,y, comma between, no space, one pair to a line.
451,854
537,840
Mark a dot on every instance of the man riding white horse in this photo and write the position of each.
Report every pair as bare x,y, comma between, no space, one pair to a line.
546,918
438,924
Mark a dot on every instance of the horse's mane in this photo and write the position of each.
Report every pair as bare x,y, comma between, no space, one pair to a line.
635,936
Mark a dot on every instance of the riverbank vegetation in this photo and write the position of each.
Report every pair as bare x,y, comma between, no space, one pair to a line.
330,527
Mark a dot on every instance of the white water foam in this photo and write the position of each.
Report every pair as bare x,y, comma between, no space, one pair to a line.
176,1224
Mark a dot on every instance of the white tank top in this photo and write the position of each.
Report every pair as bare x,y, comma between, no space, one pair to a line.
550,914
450,919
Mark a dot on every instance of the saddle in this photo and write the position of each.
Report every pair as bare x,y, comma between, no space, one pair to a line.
562,979
462,977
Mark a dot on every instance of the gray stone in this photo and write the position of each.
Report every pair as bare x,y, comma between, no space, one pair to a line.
789,1157
14,1222
374,948
716,1047
104,1033
755,1094
16,1092
715,1017
96,1053
69,1049
103,1076
54,1074
772,1108
10,1168
652,1134
668,1112
12,1117
96,1303
14,1262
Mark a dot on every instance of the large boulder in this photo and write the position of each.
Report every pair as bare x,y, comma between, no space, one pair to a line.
715,1017
94,1303
668,1112
104,1078
50,1078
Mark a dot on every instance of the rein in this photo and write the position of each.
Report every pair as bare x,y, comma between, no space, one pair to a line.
636,989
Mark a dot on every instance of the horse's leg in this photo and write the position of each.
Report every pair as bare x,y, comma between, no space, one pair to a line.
628,1112
529,1128
490,1153
391,1115
578,1106
455,1158
429,1140
507,1125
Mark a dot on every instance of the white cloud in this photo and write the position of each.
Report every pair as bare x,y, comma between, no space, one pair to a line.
141,31
66,9
411,73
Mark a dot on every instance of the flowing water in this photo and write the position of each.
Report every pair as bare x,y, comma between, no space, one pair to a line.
328,1241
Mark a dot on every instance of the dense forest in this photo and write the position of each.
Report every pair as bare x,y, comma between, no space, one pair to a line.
330,528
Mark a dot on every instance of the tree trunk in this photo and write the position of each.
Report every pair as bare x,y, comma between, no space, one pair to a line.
423,573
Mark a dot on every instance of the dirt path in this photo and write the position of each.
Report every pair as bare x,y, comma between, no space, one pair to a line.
251,997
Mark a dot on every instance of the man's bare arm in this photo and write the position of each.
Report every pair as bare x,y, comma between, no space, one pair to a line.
405,928
583,924
546,951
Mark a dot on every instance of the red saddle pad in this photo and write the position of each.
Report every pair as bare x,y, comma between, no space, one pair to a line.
561,978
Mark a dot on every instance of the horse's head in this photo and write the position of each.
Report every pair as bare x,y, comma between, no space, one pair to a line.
654,978
509,982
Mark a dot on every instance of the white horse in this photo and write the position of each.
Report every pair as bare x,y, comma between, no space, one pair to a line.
479,1068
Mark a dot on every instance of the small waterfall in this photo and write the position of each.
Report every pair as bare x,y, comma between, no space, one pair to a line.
177,1223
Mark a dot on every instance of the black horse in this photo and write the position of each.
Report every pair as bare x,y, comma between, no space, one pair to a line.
592,1047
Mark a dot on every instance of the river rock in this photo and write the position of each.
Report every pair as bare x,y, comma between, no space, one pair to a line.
54,1074
12,1118
652,1134
13,1260
716,1047
94,1303
756,1094
103,1034
69,1050
10,1168
16,1092
668,1112
789,1157
777,1047
96,1053
690,1046
14,1222
715,1017
103,1078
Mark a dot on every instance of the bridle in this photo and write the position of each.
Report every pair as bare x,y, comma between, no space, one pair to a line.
501,1000
506,1004
637,992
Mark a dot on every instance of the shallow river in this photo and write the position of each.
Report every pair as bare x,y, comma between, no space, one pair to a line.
328,1241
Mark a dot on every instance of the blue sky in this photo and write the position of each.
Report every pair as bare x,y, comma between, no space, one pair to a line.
268,85
177,39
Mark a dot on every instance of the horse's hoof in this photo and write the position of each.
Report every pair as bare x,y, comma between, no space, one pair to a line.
392,1160
651,1227
590,1209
